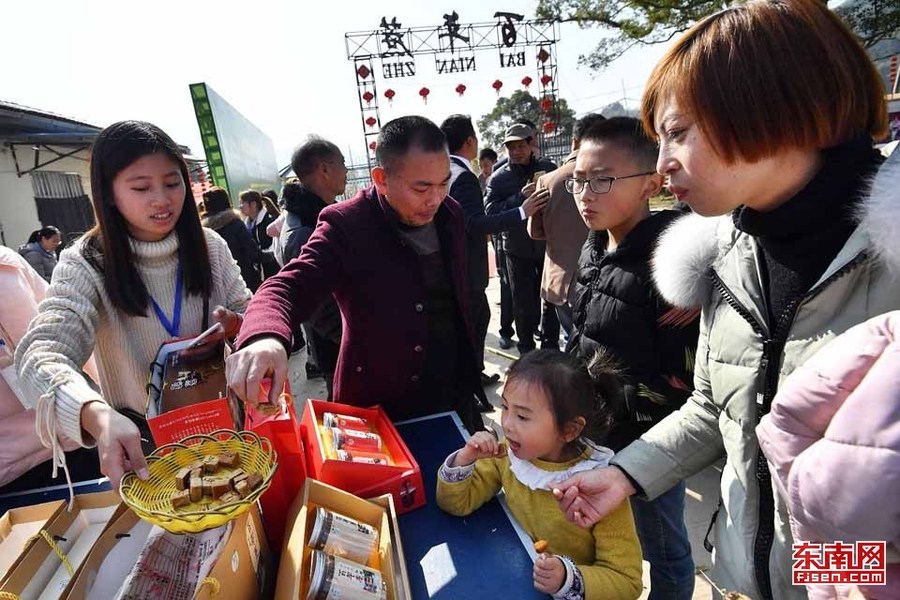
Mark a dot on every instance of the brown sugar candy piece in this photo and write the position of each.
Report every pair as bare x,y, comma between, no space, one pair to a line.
208,483
238,475
254,480
228,497
229,459
541,546
242,488
183,478
181,499
220,487
196,489
210,464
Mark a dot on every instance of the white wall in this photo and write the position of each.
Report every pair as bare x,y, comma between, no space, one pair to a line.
18,211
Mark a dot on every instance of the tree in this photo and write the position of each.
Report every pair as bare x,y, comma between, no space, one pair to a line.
519,105
632,21
871,20
645,22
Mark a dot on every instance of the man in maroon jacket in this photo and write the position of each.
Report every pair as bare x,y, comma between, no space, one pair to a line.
394,259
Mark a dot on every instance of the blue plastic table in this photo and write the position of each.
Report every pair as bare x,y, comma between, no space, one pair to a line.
55,492
484,555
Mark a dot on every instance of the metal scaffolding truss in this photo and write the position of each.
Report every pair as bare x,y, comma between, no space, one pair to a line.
510,32
418,41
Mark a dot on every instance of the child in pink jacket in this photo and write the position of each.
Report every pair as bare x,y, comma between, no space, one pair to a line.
832,441
21,290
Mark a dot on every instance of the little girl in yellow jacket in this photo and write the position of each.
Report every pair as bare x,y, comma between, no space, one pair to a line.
553,410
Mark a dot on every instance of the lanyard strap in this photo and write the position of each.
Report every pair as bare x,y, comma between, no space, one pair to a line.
173,326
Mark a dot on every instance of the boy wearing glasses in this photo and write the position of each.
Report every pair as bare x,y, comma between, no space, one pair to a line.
617,307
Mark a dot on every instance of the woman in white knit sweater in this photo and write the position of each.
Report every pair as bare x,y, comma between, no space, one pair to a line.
140,277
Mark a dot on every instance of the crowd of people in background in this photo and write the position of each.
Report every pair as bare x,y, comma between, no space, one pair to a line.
760,331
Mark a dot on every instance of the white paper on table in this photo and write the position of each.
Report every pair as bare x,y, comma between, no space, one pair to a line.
104,583
52,577
172,566
12,545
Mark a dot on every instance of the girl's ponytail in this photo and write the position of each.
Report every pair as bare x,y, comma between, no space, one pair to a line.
609,394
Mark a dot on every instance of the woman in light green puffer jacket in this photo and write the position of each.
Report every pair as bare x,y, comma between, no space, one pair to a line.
766,111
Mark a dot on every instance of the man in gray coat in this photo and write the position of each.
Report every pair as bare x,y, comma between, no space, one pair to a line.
319,165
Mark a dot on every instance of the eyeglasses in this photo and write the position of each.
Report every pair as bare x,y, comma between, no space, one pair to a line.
599,184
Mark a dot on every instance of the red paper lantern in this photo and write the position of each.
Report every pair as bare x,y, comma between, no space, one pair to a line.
424,93
368,97
371,121
389,94
526,81
363,71
546,104
497,85
372,145
549,126
460,89
545,79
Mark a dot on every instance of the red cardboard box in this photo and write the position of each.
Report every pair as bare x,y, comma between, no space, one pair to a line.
283,430
198,402
204,417
402,480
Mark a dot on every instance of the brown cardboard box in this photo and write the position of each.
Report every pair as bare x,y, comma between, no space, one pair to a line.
293,573
39,570
243,569
17,528
401,577
237,572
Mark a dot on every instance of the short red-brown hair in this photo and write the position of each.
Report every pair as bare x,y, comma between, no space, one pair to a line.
768,75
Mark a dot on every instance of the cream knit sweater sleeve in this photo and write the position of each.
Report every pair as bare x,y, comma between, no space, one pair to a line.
77,318
59,339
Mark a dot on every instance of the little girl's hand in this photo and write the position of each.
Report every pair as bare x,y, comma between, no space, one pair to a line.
549,573
480,445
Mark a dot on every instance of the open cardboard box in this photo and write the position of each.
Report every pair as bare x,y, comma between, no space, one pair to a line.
240,571
293,573
200,404
40,573
403,479
18,528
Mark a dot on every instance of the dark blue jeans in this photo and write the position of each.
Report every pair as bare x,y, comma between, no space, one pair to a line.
665,544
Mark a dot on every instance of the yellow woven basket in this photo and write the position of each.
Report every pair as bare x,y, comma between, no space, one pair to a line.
150,499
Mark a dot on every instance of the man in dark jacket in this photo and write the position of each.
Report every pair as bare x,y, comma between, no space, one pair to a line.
508,188
465,189
320,167
394,258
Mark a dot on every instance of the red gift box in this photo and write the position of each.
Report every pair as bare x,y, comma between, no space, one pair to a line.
202,405
205,417
283,430
403,479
